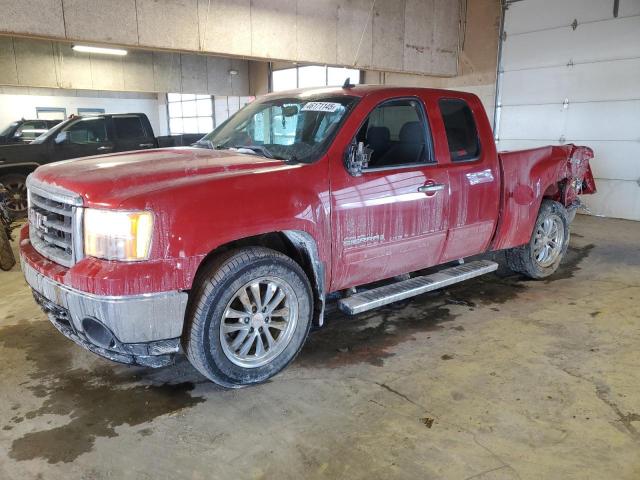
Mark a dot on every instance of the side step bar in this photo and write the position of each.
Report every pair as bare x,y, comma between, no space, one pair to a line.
377,297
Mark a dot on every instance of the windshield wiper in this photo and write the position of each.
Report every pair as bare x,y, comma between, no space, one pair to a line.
262,150
202,143
259,149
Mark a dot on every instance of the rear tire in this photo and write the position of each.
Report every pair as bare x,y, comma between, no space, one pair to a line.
548,244
249,316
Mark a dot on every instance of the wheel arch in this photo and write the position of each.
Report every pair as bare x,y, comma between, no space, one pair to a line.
18,168
298,245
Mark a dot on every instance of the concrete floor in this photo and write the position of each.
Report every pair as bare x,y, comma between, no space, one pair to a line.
498,378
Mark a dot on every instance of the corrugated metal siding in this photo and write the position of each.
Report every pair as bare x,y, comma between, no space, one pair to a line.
563,84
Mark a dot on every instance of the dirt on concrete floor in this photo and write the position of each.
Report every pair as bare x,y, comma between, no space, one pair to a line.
496,378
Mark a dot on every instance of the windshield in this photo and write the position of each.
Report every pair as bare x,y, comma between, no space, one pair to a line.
288,128
7,130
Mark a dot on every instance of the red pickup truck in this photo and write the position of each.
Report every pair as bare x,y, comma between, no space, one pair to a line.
230,248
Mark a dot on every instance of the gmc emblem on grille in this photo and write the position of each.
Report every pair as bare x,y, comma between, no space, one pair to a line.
37,219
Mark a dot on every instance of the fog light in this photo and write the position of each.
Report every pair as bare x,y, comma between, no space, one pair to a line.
97,333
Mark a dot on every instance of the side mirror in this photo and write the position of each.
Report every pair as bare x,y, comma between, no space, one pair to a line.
289,110
62,137
357,158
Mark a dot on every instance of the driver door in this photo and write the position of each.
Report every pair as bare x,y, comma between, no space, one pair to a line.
85,137
393,218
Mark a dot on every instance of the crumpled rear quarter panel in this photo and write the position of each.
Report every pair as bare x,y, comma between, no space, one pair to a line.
558,172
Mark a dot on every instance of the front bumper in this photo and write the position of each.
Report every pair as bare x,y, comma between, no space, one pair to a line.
140,329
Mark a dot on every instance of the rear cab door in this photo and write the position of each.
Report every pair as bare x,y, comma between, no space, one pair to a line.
393,218
464,142
132,132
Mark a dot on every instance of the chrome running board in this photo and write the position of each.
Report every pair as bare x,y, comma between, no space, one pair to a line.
377,297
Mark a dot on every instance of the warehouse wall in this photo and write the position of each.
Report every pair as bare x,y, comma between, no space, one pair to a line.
41,63
571,74
478,57
419,36
20,102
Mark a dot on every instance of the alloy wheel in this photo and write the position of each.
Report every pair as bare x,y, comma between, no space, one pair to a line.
259,322
548,241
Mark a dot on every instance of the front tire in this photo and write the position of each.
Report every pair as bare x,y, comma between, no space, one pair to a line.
249,316
16,186
7,259
541,257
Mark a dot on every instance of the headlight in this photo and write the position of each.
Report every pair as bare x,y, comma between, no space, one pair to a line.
114,235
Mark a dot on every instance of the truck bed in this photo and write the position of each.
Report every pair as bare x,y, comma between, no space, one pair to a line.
558,172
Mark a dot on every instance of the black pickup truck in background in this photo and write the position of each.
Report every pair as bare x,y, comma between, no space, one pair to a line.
79,136
25,131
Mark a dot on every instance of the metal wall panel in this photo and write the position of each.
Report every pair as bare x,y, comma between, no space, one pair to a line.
35,63
609,80
614,160
582,85
8,69
590,121
603,121
343,32
354,45
38,17
629,7
591,42
532,122
117,20
41,63
615,198
317,30
273,29
418,32
544,14
225,25
388,34
166,24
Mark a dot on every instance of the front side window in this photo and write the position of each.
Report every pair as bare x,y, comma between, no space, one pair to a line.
87,131
462,134
128,127
30,130
396,134
288,128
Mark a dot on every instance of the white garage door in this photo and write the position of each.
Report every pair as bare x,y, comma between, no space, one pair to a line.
571,74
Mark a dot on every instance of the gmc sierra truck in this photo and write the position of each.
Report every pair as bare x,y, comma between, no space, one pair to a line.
230,248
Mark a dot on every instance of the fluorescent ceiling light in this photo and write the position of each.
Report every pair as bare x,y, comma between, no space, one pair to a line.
101,50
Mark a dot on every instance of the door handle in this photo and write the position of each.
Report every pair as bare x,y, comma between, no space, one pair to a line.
431,188
104,149
146,145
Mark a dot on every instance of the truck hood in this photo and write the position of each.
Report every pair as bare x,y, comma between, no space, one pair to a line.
109,180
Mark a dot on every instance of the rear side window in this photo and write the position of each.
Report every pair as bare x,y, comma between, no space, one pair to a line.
129,127
462,134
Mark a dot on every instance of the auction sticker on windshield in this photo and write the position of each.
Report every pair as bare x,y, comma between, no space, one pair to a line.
321,107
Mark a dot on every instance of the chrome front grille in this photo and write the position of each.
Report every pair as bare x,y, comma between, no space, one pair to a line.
55,223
